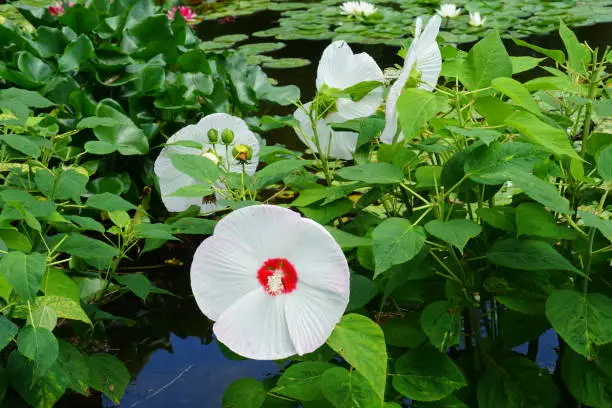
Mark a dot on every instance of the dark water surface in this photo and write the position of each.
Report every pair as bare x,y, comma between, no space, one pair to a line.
172,355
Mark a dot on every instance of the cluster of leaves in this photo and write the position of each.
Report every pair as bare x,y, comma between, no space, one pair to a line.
324,20
83,89
487,227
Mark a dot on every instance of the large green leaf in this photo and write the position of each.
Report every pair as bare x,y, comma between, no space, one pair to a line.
577,54
109,202
199,168
604,162
585,381
244,393
277,171
128,138
108,375
517,383
23,272
71,184
361,343
584,322
22,144
374,173
75,54
533,219
346,240
303,381
517,92
540,190
38,390
404,332
75,367
395,241
528,255
456,232
594,221
487,60
95,252
415,107
551,138
346,389
39,345
425,374
442,324
556,55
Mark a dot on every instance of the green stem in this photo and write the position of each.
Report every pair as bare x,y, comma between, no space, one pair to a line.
587,261
593,82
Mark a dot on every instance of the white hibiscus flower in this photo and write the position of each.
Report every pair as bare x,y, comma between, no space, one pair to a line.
275,283
339,69
424,56
171,179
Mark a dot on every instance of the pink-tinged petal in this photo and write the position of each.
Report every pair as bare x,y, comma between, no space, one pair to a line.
312,315
221,274
261,231
319,260
255,327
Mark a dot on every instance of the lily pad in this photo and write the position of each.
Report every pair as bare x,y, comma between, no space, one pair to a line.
284,63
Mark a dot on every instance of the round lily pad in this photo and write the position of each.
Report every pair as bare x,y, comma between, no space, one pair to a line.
284,63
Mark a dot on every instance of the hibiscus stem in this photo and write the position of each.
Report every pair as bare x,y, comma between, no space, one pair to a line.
322,156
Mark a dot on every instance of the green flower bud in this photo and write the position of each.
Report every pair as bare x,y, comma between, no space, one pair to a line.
213,136
242,153
227,136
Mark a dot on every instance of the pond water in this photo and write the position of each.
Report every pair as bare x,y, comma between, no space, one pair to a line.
172,354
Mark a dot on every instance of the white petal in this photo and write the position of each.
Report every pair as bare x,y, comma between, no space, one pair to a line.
362,68
256,327
348,109
429,64
311,316
391,117
260,231
336,59
170,180
221,274
318,259
418,27
343,145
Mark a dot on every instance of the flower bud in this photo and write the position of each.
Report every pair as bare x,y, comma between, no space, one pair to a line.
213,136
242,153
227,136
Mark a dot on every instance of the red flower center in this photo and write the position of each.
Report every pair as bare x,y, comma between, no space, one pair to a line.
277,276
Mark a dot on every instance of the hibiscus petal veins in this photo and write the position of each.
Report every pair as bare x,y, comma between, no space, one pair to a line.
276,284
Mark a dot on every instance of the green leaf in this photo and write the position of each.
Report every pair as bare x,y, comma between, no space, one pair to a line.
33,68
75,367
303,381
518,383
522,64
94,121
160,231
487,136
584,322
71,184
361,89
64,307
23,272
346,389
138,284
109,202
551,138
528,255
199,168
425,374
585,381
362,291
554,54
39,345
128,138
244,393
577,55
346,240
543,192
374,173
395,241
487,60
190,225
43,317
75,54
533,219
196,190
277,171
324,214
404,332
456,232
517,92
41,390
442,324
594,221
361,343
95,252
499,217
22,144
415,107
604,162
100,148
15,240
85,223
8,331
108,375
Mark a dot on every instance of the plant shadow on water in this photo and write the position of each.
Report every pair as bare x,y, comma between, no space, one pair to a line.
173,356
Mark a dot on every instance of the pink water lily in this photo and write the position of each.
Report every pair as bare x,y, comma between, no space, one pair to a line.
188,14
57,9
275,283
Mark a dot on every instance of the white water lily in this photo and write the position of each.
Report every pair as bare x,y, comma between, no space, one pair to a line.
476,20
339,69
448,10
275,283
171,179
423,55
358,8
